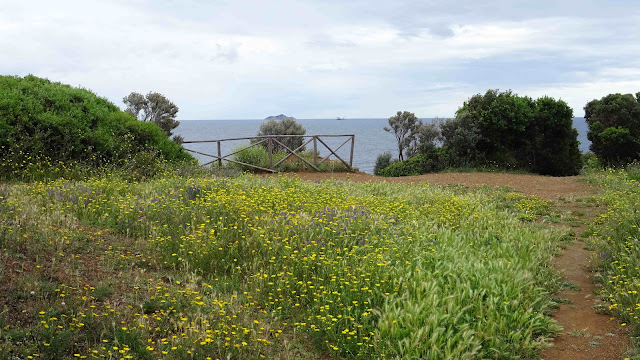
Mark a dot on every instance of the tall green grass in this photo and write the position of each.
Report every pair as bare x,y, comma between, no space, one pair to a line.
616,234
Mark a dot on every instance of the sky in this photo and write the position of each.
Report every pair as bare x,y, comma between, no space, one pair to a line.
322,59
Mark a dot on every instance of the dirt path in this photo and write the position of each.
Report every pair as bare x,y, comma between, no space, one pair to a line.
587,334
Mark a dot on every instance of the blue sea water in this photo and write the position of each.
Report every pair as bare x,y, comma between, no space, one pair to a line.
370,138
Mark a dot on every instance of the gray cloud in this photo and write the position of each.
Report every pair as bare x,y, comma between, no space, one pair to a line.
366,58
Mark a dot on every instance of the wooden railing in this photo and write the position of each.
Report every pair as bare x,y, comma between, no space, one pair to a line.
271,141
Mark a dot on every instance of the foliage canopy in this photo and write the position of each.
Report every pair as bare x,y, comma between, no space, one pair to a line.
153,107
498,130
517,132
614,128
283,125
404,125
40,119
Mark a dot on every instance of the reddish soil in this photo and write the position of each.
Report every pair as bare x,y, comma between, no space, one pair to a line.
587,334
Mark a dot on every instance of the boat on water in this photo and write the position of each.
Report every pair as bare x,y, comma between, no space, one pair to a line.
340,118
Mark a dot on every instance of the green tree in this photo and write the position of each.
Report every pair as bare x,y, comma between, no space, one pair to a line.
460,137
553,139
282,125
502,118
614,128
153,107
514,132
495,129
425,140
405,127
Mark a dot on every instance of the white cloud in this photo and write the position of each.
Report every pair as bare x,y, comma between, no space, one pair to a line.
247,59
577,95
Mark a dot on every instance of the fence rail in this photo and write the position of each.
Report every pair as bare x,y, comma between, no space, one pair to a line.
271,141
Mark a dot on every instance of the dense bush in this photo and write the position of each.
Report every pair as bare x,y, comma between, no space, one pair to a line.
553,140
590,161
614,128
499,130
412,166
282,125
460,136
254,155
502,119
517,132
506,131
44,121
429,162
382,162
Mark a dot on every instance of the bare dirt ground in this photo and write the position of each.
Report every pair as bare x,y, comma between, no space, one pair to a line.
587,334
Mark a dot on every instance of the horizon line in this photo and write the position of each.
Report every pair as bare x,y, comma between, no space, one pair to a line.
344,119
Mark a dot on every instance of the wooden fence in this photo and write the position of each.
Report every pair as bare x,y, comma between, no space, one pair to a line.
272,140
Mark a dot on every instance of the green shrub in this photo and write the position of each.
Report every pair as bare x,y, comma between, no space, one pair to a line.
495,130
553,140
432,161
253,155
633,171
333,165
590,161
460,136
410,167
282,125
44,124
514,132
382,162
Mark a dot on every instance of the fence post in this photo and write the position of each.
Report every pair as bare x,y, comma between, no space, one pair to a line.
219,155
270,146
315,151
353,143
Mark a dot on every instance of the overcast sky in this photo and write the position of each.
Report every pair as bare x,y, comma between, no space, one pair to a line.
320,59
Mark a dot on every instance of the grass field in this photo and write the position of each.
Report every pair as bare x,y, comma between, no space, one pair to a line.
616,235
249,267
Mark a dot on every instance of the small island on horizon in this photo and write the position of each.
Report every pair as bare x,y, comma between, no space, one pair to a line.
279,117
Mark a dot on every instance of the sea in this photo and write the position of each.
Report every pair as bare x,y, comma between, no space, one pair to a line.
370,138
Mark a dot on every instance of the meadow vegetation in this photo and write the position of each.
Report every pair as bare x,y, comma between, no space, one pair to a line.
194,266
616,235
114,244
